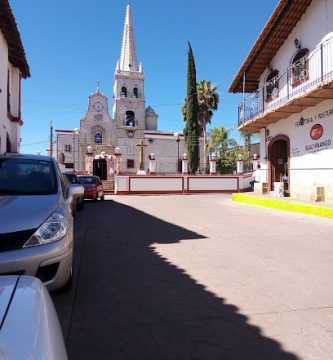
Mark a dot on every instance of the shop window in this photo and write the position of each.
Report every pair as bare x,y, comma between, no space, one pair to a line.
300,67
98,138
272,85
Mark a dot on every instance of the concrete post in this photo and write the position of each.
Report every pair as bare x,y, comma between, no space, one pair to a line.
152,164
185,164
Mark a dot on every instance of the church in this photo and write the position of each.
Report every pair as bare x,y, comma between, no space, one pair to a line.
101,137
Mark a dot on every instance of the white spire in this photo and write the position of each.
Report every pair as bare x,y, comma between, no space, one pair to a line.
128,55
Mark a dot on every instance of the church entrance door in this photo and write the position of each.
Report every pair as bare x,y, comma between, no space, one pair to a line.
278,166
100,168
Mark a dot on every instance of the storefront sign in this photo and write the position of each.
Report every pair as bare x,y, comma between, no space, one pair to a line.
320,116
316,132
320,145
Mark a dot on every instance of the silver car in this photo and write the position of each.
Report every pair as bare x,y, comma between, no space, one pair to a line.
36,224
30,327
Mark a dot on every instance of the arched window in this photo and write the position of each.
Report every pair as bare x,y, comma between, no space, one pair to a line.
123,92
130,119
300,67
272,85
98,138
135,92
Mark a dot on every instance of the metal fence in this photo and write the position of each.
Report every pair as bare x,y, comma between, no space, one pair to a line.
309,71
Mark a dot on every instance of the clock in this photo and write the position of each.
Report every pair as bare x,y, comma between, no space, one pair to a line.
98,106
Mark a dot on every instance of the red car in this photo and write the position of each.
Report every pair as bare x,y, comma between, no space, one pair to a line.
93,187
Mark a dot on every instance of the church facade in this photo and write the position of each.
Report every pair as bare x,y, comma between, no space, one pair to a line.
101,134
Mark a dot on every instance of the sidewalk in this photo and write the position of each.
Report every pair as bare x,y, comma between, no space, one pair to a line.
323,209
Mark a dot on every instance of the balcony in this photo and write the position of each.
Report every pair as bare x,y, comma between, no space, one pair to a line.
304,84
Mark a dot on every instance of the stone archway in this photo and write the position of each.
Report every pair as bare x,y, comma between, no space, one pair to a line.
279,161
8,144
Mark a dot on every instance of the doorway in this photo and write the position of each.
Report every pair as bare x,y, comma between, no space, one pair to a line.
100,168
278,162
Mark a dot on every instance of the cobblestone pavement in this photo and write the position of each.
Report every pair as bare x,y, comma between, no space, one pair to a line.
198,277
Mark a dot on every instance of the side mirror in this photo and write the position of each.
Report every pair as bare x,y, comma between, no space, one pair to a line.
75,190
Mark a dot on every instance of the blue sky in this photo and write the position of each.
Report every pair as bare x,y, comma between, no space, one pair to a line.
70,44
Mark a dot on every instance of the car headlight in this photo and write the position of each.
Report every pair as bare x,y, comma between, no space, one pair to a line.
53,229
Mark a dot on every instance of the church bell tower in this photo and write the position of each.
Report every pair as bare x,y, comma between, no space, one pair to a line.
128,87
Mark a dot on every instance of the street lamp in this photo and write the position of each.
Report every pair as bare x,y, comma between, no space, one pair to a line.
176,135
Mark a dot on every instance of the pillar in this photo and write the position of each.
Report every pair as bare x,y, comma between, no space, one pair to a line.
212,165
185,164
152,164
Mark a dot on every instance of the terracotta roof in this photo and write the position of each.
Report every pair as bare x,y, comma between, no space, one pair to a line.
284,18
8,27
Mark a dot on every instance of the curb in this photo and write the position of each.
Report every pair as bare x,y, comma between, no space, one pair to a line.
284,205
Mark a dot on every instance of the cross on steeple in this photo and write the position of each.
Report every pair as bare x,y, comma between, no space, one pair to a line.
98,83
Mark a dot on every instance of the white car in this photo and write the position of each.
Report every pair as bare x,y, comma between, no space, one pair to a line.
29,325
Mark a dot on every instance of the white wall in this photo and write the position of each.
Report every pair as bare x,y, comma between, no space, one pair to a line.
6,126
4,123
310,166
315,26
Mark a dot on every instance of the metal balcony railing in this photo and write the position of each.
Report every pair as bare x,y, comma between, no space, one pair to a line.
308,72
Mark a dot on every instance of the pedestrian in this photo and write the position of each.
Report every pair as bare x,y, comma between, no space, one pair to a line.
256,175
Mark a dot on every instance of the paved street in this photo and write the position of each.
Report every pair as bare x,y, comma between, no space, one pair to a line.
198,277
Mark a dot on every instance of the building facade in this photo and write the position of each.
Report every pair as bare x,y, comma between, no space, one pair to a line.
101,133
288,81
13,67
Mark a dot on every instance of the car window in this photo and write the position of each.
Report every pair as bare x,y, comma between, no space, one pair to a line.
72,178
20,176
88,180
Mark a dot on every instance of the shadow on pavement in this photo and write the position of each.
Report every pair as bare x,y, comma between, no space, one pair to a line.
130,303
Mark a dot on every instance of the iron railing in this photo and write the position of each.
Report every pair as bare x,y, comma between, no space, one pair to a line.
307,73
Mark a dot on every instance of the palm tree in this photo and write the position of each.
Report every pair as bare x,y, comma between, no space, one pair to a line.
219,140
208,99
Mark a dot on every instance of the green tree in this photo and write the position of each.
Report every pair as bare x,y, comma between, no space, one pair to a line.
191,130
208,100
218,140
225,149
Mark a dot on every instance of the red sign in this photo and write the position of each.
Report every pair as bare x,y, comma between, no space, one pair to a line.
316,132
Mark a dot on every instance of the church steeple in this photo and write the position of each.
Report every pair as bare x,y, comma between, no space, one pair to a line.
128,54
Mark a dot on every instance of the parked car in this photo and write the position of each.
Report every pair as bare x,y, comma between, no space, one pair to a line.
36,227
30,327
78,202
93,187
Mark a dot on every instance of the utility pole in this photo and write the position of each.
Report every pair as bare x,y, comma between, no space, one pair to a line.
51,139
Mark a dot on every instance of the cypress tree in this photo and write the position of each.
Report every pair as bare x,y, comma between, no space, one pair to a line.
191,130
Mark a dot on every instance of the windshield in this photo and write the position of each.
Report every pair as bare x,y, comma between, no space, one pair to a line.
27,177
88,180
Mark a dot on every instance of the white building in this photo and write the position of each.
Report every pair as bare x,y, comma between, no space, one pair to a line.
13,67
288,78
131,122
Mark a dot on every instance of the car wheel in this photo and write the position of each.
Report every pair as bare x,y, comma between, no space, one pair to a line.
95,197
